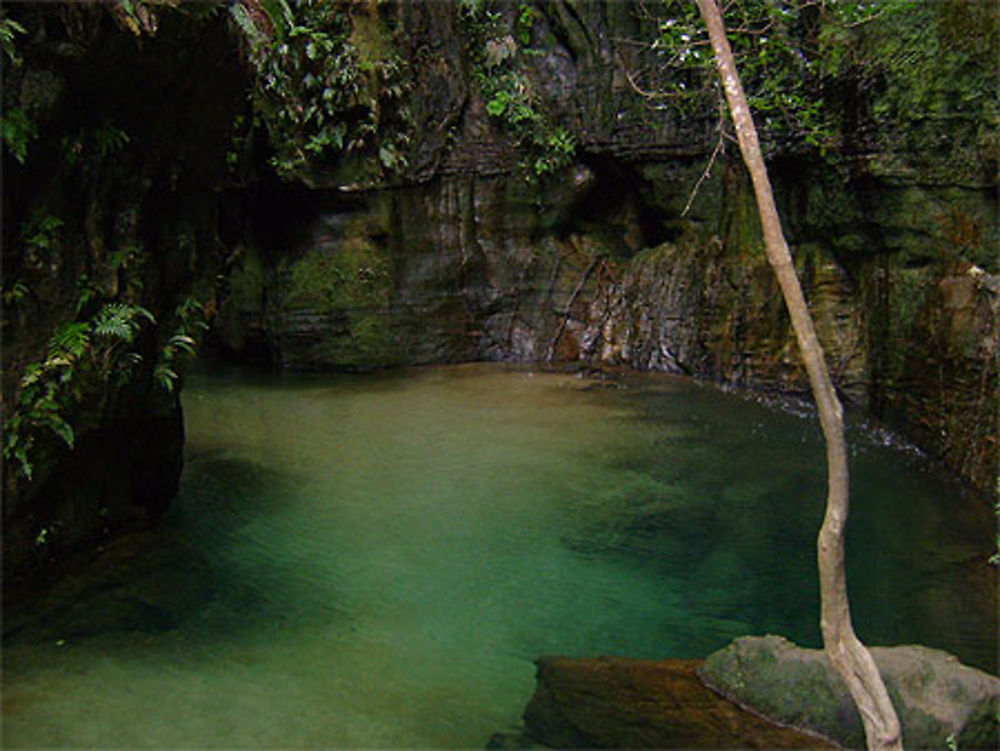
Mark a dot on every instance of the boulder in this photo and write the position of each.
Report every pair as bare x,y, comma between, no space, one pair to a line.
613,702
939,700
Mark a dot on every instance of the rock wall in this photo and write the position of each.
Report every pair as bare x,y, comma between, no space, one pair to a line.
470,258
138,183
112,218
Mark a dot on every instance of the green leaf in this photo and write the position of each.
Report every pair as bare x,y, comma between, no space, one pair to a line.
182,342
41,229
165,377
9,27
120,321
387,156
69,341
31,374
17,130
61,428
498,104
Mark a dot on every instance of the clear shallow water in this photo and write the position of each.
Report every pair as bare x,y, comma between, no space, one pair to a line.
376,561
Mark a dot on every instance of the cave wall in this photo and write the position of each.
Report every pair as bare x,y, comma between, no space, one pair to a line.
122,171
470,258
466,254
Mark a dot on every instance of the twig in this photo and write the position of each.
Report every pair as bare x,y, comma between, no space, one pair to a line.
642,92
720,146
569,306
552,276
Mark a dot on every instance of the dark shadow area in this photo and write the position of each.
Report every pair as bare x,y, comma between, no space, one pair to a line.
178,575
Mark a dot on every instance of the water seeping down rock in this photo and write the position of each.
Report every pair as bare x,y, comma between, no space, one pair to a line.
459,256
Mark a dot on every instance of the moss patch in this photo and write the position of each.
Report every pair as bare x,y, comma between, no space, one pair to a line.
333,307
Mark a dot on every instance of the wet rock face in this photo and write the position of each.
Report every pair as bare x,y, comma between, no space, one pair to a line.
947,392
935,696
475,267
605,263
125,165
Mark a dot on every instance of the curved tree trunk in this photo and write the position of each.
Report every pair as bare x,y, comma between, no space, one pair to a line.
849,657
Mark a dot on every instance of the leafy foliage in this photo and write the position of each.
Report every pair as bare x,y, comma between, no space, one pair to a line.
810,66
181,347
110,139
40,231
120,321
915,66
776,52
323,89
77,351
70,341
497,57
90,147
8,28
17,131
17,291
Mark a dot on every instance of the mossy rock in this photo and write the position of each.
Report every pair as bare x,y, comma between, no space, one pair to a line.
333,308
936,697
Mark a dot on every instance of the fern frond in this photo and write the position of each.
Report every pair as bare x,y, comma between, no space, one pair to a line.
246,24
55,422
70,341
118,320
165,377
114,321
182,342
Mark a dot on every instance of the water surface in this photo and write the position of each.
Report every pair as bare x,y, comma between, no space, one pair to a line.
377,560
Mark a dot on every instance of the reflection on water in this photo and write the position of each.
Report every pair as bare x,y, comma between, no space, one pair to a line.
375,561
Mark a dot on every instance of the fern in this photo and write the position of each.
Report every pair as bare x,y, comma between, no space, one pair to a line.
56,423
70,341
125,368
41,229
49,389
165,376
191,312
86,292
280,16
182,342
246,24
9,27
16,444
32,373
122,321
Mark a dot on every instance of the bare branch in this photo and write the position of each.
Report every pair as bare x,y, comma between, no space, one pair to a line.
719,147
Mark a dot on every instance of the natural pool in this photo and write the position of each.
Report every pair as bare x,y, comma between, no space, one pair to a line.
376,560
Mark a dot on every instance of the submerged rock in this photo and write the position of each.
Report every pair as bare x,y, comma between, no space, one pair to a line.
939,700
613,702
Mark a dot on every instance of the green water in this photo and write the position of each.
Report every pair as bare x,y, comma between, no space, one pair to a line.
376,561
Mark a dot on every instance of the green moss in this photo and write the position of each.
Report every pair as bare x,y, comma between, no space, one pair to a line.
351,283
351,274
742,232
245,300
983,726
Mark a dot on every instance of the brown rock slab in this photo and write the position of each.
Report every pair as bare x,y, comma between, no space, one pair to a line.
613,702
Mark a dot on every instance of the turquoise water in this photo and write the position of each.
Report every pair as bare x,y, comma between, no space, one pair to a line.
376,561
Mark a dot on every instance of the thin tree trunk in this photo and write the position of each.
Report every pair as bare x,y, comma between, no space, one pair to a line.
849,657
